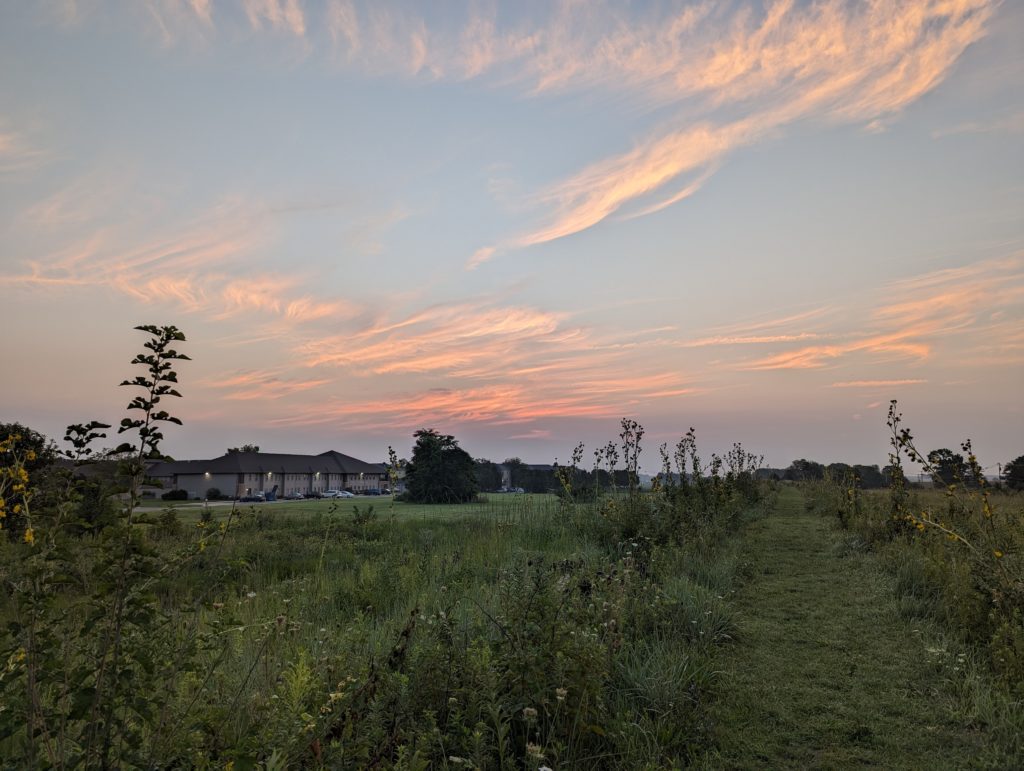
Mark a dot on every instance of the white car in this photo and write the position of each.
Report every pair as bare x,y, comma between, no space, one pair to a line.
338,494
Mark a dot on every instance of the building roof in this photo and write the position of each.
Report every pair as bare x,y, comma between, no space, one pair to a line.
330,462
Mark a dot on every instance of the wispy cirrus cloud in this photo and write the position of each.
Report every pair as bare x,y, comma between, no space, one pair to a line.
1009,124
730,75
18,152
976,307
501,363
254,385
877,384
493,404
201,267
832,61
287,15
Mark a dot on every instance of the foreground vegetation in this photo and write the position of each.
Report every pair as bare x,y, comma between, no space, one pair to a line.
542,631
829,672
956,554
533,633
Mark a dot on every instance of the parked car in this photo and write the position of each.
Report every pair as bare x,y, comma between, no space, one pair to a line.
372,491
253,498
294,496
338,494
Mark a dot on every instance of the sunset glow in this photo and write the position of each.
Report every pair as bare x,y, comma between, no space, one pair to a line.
517,223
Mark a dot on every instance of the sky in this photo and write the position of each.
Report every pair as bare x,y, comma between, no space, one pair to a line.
519,222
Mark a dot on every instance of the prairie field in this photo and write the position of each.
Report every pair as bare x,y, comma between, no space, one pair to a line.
514,632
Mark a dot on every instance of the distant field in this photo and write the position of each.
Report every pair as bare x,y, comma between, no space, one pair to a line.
490,505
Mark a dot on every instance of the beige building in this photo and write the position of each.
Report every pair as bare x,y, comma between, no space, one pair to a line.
249,473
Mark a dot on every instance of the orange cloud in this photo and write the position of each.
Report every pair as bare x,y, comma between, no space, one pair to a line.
833,61
876,384
248,386
497,404
279,14
979,303
197,269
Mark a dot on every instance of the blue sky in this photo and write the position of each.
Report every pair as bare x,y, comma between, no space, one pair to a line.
519,222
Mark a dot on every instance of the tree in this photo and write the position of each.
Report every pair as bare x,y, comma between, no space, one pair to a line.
1013,474
947,467
440,471
488,475
243,448
870,477
803,470
35,453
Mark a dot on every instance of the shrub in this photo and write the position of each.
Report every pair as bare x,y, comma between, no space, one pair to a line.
175,495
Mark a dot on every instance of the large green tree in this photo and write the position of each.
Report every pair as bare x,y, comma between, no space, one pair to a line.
947,467
1013,474
440,471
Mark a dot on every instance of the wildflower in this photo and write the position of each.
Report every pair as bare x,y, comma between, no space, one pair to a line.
534,751
17,508
561,693
30,536
250,595
218,605
999,554
529,713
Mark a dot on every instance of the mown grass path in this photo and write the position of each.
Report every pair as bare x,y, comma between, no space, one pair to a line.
825,672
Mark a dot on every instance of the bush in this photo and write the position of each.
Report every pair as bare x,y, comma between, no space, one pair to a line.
175,495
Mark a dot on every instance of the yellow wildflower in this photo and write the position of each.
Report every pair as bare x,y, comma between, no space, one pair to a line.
30,536
999,554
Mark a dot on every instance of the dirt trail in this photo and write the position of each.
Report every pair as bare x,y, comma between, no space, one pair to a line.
825,672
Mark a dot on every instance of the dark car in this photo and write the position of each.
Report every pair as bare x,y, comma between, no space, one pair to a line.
372,491
257,498
294,496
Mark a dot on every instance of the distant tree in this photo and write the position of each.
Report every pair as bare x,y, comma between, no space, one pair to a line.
37,453
803,470
243,448
488,475
839,470
1013,474
870,477
948,467
440,471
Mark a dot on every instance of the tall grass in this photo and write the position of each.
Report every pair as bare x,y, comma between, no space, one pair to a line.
520,632
957,555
